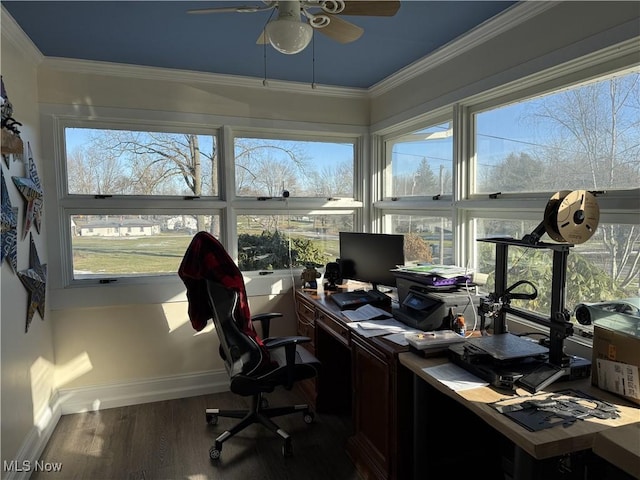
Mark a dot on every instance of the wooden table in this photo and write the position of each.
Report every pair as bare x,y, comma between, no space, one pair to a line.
530,447
620,446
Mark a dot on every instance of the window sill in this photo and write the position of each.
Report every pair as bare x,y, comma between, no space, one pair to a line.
574,345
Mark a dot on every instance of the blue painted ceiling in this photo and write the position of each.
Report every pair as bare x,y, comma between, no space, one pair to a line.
162,34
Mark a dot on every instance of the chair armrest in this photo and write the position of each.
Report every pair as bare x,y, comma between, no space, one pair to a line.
265,320
289,344
277,342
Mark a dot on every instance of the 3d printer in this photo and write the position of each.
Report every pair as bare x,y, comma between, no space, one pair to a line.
508,361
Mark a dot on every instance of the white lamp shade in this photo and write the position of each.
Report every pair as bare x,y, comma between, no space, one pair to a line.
289,36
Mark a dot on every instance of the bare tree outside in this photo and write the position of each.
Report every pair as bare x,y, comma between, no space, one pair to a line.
596,132
585,137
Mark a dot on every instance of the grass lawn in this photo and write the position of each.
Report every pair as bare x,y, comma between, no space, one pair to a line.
127,255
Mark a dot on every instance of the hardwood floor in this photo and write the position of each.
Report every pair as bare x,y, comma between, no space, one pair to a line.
170,440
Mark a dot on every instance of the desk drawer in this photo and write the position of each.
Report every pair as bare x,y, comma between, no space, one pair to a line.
307,329
337,330
305,311
306,325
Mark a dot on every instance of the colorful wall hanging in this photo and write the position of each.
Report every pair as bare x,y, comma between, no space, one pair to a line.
11,141
9,229
34,280
31,190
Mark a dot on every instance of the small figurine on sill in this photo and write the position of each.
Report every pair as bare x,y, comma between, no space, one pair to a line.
332,276
309,276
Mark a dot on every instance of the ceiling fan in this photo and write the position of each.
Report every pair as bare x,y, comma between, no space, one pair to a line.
289,34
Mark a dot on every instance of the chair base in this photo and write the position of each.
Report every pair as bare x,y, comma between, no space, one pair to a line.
259,413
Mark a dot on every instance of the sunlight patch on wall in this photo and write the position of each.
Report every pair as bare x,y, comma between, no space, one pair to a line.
47,377
176,315
42,373
73,369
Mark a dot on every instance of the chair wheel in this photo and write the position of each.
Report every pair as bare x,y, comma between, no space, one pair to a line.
308,417
287,448
212,419
214,453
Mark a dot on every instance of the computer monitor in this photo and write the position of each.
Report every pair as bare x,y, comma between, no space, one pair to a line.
370,257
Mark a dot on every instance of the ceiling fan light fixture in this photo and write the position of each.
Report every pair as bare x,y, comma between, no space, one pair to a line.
289,36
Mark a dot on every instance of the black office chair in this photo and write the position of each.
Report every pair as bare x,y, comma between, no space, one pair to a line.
215,289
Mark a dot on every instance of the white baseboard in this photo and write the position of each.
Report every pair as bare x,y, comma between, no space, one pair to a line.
33,444
84,399
88,399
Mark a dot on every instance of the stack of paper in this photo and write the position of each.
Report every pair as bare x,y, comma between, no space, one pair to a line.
432,340
366,312
444,271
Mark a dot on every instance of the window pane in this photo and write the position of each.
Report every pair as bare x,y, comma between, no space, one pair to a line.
426,239
584,137
133,245
124,162
266,167
421,162
264,240
599,269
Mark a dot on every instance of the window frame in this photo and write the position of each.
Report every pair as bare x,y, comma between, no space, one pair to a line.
63,287
616,206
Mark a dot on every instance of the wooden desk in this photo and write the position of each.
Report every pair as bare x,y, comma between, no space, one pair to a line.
529,446
620,447
359,376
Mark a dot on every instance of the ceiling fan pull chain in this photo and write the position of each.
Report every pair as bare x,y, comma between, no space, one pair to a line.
313,61
265,83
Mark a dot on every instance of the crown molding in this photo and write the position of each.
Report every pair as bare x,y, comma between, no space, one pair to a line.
503,22
189,76
16,36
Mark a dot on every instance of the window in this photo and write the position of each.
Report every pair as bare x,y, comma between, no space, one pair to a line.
272,242
265,167
301,229
597,270
584,137
127,162
427,239
128,196
421,162
133,192
578,137
111,245
419,172
511,158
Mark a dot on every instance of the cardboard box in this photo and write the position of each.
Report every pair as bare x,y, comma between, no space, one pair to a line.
616,358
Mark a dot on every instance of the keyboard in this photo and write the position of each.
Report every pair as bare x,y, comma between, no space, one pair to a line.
378,296
355,299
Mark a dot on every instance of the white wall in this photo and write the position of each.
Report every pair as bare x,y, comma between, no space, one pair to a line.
104,85
27,358
130,343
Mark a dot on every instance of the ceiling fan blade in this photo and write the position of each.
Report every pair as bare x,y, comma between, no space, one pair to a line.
240,9
262,39
341,31
371,8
